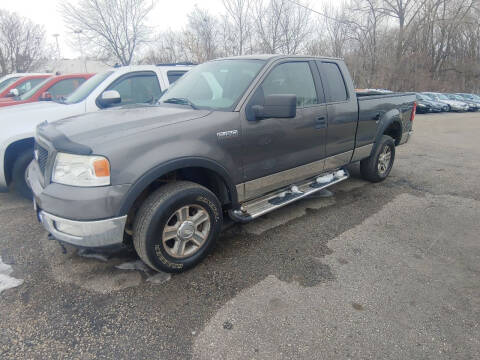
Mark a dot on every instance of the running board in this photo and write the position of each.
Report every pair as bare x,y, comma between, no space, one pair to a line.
257,207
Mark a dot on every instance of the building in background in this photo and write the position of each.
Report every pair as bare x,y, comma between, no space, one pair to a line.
69,66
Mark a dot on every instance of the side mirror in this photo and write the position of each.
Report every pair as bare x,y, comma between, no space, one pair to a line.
109,98
46,96
277,106
13,93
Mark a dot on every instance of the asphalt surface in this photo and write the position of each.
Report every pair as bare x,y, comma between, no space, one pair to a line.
385,271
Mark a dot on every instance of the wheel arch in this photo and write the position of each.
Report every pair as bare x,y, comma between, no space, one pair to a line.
12,152
206,172
392,127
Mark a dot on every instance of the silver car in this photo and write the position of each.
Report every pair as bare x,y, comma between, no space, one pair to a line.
454,105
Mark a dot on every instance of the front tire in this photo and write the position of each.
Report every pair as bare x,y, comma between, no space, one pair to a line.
177,226
377,167
18,183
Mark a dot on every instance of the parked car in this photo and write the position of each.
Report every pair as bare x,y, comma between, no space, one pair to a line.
472,106
471,97
424,105
54,88
453,105
7,80
23,84
121,86
436,105
242,135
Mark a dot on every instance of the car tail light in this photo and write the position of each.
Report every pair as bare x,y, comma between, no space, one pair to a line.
414,110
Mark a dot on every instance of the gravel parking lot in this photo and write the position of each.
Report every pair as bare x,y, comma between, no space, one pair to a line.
386,271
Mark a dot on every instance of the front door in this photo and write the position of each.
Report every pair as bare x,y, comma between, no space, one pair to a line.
278,152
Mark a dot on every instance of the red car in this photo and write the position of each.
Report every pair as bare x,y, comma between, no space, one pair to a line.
24,84
53,88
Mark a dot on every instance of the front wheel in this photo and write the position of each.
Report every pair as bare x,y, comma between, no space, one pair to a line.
177,226
377,167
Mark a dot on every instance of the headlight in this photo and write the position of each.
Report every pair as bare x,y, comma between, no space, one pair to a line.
81,170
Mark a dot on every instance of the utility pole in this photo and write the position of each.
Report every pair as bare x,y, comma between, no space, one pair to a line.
58,45
78,32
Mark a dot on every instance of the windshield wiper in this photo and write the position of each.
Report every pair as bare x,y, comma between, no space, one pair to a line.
181,101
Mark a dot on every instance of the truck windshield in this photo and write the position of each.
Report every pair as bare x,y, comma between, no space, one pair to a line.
32,91
86,88
215,85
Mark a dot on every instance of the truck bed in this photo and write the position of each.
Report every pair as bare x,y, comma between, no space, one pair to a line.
373,108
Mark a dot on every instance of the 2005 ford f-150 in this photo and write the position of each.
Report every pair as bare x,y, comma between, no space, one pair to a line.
240,136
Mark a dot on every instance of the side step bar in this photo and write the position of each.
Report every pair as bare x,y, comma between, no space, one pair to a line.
257,207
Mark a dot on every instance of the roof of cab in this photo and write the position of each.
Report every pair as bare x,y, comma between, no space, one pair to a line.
267,57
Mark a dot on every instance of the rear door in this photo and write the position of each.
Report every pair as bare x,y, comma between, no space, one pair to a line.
277,151
342,111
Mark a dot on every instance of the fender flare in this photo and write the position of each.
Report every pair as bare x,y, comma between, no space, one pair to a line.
158,171
381,130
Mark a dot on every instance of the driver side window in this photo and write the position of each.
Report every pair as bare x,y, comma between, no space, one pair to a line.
141,88
292,78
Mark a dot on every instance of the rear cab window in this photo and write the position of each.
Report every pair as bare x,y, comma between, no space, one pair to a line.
333,81
174,75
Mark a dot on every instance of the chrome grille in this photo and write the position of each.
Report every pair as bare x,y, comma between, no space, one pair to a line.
41,156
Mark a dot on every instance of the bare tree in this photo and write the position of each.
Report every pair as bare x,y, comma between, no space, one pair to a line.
403,45
201,35
169,47
114,28
282,26
238,12
22,44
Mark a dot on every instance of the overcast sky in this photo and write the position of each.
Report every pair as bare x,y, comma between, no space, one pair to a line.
167,14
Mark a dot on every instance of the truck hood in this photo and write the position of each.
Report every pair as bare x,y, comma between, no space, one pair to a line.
29,108
108,125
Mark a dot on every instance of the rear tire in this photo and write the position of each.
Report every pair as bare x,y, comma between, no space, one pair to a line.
377,167
18,183
177,226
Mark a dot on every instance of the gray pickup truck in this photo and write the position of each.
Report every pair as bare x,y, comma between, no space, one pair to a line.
235,137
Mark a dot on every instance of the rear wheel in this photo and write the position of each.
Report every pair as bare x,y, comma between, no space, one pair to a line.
177,226
377,167
18,183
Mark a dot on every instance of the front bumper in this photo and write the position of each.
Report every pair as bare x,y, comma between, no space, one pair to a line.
91,234
84,217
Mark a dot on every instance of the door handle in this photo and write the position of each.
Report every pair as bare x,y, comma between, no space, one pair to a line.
320,122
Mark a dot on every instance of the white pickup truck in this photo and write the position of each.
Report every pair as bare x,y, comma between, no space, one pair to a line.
116,87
